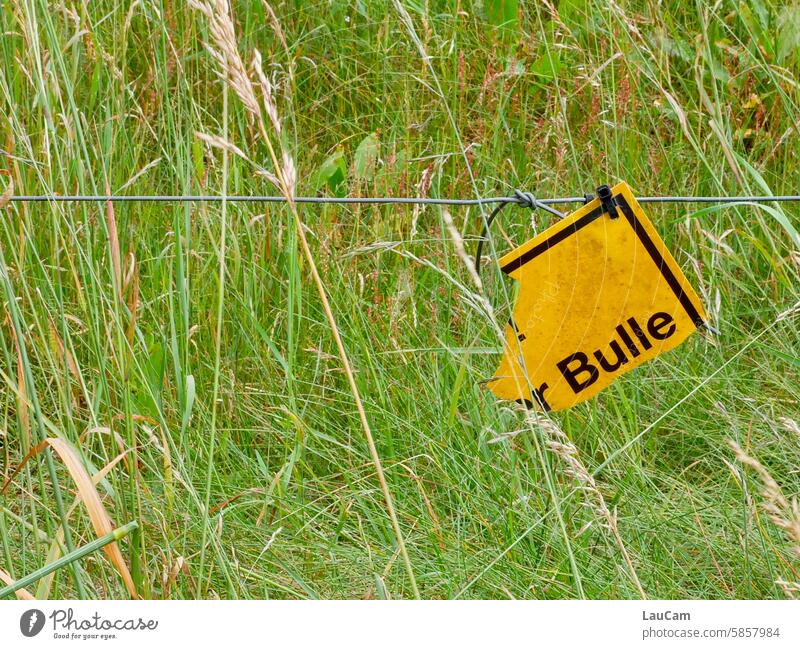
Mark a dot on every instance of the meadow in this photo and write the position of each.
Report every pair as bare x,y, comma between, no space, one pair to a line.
176,364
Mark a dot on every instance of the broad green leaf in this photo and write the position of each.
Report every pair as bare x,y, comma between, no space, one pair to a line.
675,47
547,66
154,367
502,13
332,174
788,32
365,160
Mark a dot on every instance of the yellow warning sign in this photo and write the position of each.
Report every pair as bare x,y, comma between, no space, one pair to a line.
599,295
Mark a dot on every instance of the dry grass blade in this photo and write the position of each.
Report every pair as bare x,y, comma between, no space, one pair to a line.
5,197
266,92
784,513
113,242
221,143
788,313
458,243
790,588
791,425
231,67
132,281
43,590
21,593
101,521
179,567
22,394
64,355
276,25
150,165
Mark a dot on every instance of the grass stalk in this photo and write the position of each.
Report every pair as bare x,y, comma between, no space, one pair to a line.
220,307
70,558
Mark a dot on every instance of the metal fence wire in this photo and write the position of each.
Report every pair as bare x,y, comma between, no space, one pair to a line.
519,198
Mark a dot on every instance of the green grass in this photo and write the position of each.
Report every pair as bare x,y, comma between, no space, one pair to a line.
673,97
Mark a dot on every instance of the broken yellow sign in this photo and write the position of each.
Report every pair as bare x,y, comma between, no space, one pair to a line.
599,295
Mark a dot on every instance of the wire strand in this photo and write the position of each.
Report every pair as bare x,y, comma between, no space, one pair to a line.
521,198
268,199
366,200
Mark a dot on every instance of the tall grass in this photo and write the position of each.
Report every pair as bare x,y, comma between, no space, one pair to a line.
289,399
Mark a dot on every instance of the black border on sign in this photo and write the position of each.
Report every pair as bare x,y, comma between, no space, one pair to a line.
545,245
638,230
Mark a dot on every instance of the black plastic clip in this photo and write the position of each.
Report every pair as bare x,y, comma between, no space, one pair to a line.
588,198
606,197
